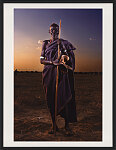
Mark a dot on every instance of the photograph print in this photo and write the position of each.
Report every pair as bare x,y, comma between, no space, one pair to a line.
58,74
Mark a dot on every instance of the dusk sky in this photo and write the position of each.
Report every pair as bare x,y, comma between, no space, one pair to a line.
82,27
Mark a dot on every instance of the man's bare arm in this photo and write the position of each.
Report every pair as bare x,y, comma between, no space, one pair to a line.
45,62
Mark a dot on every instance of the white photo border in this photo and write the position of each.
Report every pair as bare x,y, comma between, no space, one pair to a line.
107,74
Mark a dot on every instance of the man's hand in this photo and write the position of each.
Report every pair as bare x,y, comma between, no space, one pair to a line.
64,59
57,62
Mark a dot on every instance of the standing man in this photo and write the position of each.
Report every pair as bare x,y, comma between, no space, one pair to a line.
66,106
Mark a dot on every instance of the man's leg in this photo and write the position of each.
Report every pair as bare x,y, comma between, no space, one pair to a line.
68,130
53,123
66,117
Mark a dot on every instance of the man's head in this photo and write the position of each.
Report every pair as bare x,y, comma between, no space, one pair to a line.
54,31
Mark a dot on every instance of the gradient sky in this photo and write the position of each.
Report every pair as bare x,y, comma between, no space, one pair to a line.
82,27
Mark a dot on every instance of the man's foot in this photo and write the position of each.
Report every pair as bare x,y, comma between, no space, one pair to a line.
68,131
52,130
67,128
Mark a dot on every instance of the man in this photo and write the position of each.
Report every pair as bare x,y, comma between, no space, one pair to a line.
66,97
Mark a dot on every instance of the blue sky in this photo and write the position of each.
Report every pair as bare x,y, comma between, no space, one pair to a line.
82,27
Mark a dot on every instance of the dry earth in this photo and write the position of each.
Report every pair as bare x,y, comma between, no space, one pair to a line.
32,119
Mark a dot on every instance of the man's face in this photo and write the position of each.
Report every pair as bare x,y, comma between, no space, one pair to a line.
54,33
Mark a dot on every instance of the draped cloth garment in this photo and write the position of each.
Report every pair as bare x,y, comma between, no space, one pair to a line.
66,93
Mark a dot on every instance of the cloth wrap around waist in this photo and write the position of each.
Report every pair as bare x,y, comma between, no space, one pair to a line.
66,94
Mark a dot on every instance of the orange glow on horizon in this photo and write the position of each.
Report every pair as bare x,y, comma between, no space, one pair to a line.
27,56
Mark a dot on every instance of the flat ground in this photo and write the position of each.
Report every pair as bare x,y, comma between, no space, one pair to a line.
32,119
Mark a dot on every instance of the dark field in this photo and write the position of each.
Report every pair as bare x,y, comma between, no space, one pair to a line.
32,119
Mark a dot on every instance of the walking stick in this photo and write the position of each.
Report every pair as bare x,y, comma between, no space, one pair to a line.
56,96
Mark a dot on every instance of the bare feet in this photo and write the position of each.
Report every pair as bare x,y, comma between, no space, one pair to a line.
52,130
68,131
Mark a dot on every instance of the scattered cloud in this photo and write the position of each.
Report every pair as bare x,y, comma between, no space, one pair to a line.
92,39
40,42
39,46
